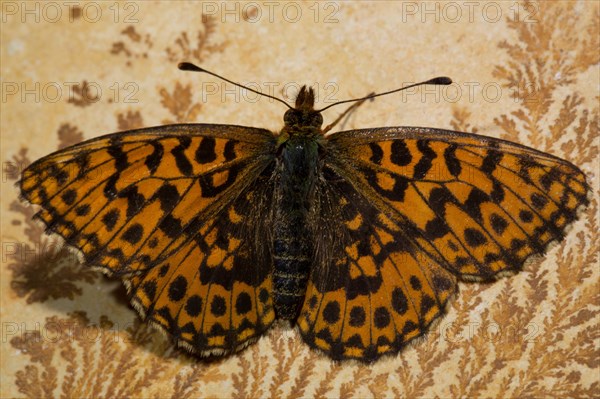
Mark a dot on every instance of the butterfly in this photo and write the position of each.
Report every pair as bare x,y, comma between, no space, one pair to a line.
359,237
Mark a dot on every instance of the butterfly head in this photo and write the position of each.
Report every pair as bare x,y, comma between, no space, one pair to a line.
303,114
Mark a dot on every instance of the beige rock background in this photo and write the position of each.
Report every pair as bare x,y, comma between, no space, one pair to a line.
527,72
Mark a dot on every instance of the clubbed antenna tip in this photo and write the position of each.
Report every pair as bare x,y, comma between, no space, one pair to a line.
440,80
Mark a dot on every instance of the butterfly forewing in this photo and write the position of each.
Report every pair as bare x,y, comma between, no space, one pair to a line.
478,205
125,198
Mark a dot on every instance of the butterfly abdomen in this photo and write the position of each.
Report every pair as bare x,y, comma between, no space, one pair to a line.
293,247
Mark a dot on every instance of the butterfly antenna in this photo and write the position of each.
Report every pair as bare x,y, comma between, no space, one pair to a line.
441,81
188,66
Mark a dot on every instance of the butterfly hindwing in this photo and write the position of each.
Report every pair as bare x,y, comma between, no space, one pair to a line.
371,289
165,209
479,206
214,293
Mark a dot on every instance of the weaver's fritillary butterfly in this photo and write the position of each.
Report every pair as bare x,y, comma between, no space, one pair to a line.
359,237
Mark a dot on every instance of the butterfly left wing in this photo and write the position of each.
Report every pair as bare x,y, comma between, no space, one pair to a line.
213,292
162,208
122,198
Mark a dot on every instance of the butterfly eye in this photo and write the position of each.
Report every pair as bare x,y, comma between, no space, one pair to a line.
317,120
291,117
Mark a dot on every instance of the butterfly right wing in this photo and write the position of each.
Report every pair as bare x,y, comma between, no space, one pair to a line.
157,207
407,211
479,205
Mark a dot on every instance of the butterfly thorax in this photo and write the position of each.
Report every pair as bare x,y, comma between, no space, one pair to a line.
298,168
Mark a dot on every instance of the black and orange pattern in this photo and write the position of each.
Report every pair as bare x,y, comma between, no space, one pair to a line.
163,211
419,208
360,236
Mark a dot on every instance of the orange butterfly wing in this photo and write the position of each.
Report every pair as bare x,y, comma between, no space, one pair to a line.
372,289
159,207
213,293
488,203
428,205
